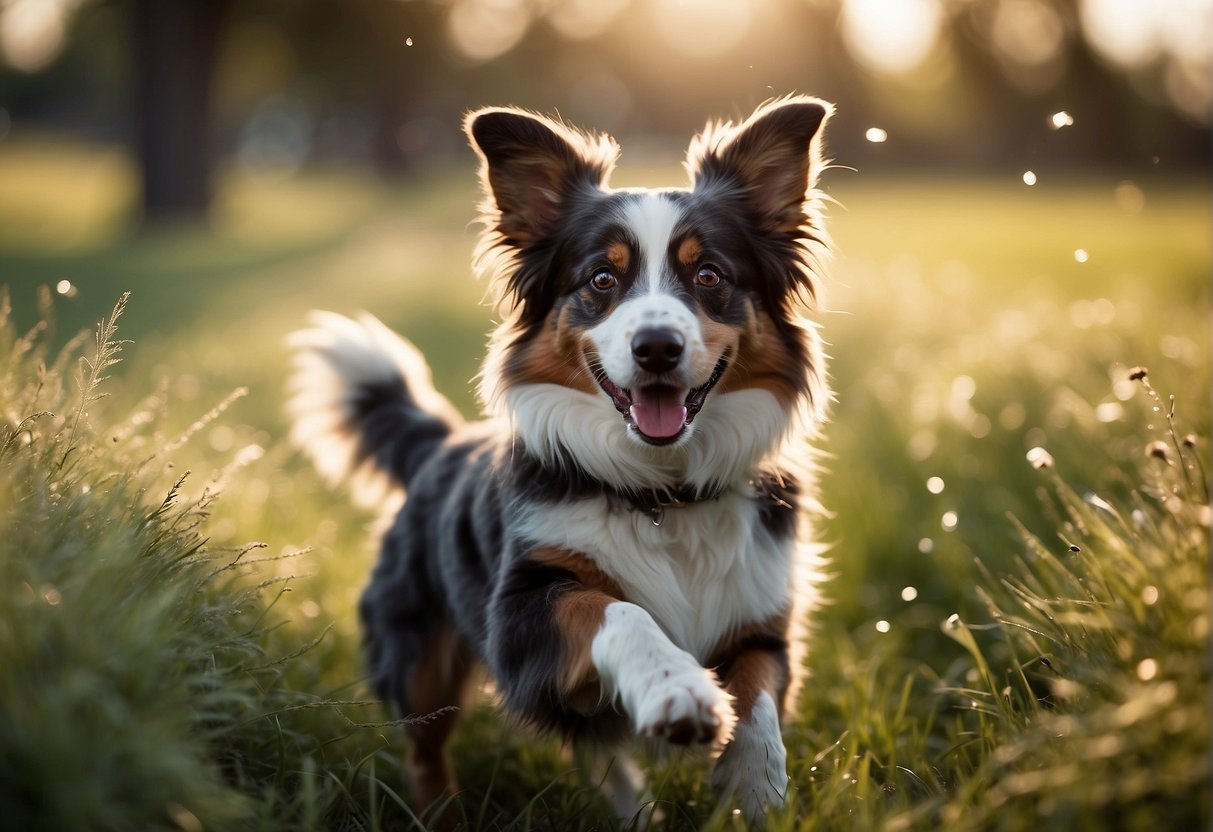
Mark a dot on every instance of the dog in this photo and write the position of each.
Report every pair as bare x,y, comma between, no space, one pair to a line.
623,541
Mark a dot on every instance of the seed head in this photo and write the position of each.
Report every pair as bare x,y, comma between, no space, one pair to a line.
1040,458
1159,450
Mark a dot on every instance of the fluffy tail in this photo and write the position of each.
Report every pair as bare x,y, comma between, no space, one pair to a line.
363,404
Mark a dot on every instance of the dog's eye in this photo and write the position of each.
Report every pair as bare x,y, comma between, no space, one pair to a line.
707,276
603,280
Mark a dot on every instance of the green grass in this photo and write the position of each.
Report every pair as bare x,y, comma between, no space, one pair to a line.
156,671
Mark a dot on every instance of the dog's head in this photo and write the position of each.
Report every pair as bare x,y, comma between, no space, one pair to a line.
654,313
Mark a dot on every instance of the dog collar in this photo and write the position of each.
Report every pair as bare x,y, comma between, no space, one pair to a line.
655,501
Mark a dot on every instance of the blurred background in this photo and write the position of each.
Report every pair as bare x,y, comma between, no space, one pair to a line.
184,90
1020,203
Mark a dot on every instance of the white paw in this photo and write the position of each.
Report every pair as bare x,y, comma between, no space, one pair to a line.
684,707
752,773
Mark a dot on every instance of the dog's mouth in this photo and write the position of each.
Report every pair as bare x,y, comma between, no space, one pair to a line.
660,413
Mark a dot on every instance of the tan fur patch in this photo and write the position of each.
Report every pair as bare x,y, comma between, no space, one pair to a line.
761,361
689,251
718,338
551,357
440,680
578,614
619,255
747,672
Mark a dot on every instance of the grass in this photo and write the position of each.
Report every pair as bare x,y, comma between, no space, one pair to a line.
1006,646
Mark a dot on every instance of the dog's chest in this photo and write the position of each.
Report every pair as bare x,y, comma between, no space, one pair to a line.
706,571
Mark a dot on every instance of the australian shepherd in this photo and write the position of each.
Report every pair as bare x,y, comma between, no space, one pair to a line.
622,541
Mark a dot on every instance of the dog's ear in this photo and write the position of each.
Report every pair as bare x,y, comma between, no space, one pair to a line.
529,167
773,159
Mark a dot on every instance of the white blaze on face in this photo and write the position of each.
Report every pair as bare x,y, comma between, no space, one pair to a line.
652,302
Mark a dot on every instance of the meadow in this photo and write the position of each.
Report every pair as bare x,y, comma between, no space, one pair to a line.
1017,626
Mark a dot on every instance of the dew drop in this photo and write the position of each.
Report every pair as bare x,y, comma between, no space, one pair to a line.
909,593
1029,177
1081,255
1060,119
876,135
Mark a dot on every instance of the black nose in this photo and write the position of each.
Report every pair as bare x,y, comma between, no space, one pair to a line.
657,350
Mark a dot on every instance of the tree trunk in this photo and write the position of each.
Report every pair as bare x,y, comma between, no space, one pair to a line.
174,44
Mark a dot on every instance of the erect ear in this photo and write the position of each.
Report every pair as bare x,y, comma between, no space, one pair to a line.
530,165
774,157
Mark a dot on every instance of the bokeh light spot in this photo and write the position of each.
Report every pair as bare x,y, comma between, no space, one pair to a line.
1060,119
891,35
485,29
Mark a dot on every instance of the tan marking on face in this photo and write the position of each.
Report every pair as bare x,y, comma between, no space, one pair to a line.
619,255
747,672
689,251
761,361
578,614
553,356
718,338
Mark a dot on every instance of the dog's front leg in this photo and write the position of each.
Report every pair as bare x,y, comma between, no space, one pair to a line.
753,768
562,636
665,691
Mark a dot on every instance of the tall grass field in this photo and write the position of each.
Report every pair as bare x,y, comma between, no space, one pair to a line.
1017,629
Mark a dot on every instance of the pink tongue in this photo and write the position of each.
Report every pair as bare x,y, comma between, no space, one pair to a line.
658,411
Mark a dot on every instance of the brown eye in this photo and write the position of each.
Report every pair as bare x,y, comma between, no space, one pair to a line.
603,280
708,277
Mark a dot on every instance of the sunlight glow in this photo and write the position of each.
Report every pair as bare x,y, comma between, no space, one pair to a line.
1027,32
891,35
1124,30
32,32
581,19
703,28
485,29
1178,34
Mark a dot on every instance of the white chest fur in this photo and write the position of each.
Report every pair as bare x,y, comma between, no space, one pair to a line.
708,569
